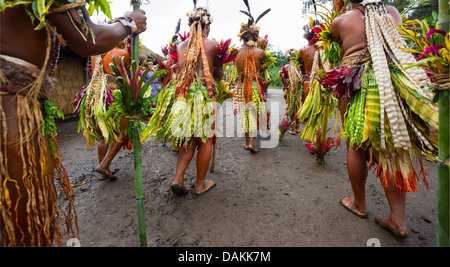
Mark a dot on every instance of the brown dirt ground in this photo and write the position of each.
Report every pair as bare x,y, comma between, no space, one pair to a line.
279,197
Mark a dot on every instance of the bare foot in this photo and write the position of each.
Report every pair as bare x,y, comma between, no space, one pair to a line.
201,189
391,226
103,177
349,203
252,149
106,174
179,189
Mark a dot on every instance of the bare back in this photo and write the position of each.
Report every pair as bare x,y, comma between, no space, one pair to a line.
19,39
350,32
211,49
307,56
242,54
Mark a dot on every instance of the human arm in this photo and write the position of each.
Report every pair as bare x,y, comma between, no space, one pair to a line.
106,36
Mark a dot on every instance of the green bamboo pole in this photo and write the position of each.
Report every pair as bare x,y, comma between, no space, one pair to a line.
137,152
138,186
442,231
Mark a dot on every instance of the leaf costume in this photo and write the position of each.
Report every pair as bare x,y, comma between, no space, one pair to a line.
392,113
250,95
92,103
319,104
186,107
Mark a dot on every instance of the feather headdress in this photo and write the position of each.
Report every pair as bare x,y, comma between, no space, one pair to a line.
251,24
177,30
251,19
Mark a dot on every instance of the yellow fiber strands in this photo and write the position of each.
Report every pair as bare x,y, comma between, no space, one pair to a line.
250,112
29,210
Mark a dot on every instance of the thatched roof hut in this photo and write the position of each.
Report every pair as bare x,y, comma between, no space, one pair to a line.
148,55
71,75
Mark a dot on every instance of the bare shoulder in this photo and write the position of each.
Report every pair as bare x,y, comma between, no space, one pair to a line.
395,14
260,52
335,28
213,43
337,23
183,44
339,20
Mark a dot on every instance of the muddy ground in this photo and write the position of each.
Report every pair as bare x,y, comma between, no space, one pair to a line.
279,197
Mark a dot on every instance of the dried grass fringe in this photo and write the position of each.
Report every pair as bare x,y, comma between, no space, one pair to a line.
43,211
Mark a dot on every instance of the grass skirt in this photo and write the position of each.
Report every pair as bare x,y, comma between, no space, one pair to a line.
30,212
250,112
363,128
177,118
317,109
294,103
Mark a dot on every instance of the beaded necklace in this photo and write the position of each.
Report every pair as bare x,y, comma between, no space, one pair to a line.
56,48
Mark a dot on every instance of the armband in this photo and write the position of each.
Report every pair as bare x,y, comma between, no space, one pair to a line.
128,23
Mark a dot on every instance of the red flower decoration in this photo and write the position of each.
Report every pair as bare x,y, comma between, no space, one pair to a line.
321,148
343,80
225,54
433,48
184,36
433,31
165,50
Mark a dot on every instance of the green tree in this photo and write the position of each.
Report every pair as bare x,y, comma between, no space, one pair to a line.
275,69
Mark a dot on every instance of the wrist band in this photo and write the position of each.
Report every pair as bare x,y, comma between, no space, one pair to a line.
129,25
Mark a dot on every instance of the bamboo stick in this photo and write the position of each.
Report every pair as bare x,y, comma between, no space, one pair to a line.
137,151
442,231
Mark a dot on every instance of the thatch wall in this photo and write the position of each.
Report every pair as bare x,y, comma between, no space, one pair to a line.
69,77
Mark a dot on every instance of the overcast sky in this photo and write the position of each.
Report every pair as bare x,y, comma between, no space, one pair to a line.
283,23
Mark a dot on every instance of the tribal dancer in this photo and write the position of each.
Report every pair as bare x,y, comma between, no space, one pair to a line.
30,160
319,103
92,103
169,62
306,58
186,108
249,62
294,89
389,117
